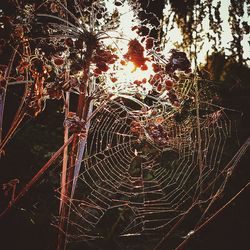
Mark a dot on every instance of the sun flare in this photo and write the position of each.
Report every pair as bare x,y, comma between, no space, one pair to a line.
128,78
133,73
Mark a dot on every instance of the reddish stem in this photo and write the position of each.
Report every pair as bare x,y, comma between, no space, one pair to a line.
33,181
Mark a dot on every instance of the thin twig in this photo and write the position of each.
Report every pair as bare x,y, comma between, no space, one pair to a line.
31,183
159,245
211,218
231,165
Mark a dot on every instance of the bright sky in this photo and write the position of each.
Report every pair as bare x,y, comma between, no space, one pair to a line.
174,35
126,75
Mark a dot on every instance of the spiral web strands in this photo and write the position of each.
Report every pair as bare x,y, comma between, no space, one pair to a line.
140,182
153,150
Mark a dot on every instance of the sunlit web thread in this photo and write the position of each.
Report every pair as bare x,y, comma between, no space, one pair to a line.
163,190
116,180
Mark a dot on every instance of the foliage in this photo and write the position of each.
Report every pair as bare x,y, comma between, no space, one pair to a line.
62,48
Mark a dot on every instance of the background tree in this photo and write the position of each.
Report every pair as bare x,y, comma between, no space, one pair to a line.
229,73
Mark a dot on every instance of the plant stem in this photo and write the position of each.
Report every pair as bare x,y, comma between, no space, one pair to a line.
3,94
82,112
65,154
211,218
31,183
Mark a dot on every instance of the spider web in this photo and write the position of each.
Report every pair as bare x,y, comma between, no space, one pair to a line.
133,184
146,163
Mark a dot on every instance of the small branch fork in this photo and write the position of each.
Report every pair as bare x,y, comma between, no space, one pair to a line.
10,187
